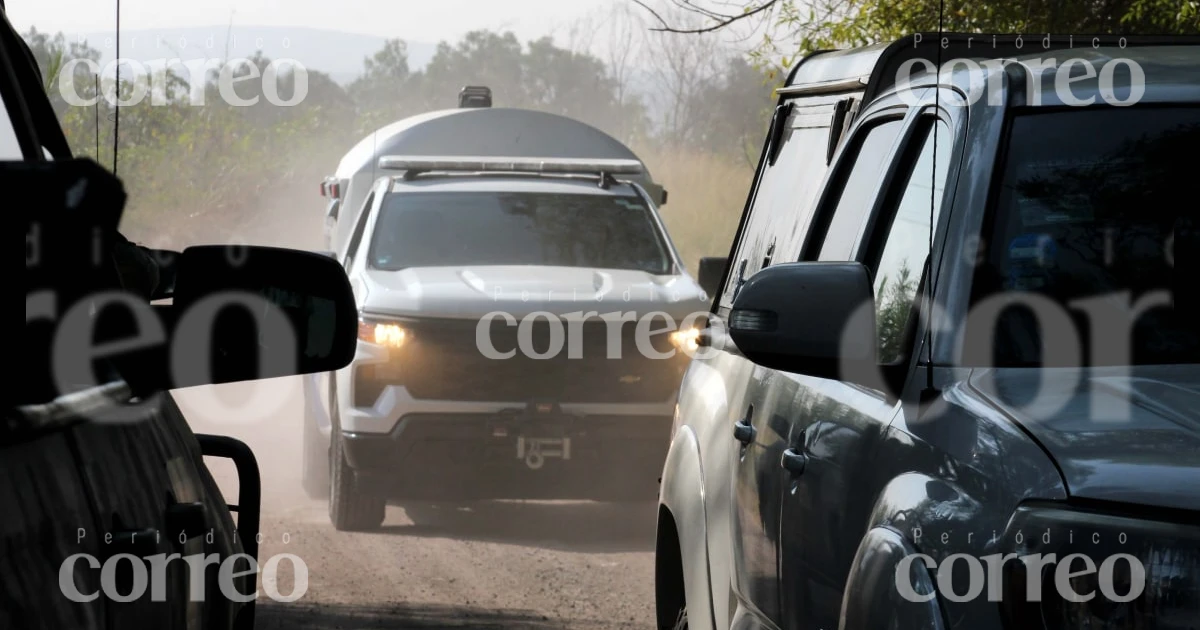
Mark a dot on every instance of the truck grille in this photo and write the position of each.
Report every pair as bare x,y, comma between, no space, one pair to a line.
442,361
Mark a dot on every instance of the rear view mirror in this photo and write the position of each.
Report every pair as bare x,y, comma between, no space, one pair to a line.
711,270
814,318
245,313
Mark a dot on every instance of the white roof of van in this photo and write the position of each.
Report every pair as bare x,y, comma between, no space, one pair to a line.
486,132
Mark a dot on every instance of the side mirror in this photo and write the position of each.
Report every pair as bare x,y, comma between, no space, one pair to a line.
813,318
711,270
248,313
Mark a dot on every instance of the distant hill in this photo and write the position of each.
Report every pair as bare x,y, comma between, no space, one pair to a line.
336,53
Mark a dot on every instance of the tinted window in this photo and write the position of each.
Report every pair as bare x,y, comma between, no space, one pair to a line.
858,191
1096,205
784,200
517,228
906,246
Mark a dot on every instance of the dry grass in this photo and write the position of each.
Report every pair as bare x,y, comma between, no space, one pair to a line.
706,194
280,205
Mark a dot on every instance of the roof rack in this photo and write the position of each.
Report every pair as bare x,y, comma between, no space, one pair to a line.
412,164
858,75
996,46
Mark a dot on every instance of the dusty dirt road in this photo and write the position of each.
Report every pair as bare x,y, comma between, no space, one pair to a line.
507,565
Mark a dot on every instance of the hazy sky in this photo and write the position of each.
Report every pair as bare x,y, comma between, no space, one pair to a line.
419,20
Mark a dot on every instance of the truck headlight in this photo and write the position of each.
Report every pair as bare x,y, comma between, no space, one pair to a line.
1100,571
383,333
687,339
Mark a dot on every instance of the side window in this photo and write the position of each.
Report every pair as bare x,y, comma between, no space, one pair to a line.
858,190
900,262
10,148
783,203
356,238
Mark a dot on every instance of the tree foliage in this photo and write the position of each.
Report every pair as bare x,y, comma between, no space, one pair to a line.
199,157
892,312
795,27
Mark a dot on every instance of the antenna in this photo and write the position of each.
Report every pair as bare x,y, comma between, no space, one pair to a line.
937,92
117,92
97,108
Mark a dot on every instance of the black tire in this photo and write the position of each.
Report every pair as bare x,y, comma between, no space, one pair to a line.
314,461
349,509
670,599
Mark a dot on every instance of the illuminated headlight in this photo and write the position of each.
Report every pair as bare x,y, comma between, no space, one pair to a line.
687,340
388,334
1101,571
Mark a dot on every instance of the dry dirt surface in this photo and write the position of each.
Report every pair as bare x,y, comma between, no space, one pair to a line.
496,565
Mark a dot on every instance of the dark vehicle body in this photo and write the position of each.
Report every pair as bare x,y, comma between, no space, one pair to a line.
852,434
106,503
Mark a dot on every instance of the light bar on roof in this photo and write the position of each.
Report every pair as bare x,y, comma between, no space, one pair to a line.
509,164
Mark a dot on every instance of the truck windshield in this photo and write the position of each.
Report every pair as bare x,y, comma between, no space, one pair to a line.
1095,225
459,229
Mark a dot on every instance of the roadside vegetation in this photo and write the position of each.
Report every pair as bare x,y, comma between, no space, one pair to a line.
213,172
695,108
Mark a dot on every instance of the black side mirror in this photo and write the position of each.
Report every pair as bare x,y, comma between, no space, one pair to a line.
712,268
248,313
813,318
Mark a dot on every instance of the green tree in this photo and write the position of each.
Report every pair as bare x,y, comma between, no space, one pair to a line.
732,114
539,75
893,304
817,24
387,90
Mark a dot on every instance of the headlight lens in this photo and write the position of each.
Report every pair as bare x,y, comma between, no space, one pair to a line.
388,334
1138,573
687,339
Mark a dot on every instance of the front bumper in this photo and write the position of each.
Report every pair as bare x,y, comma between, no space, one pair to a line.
515,455
436,419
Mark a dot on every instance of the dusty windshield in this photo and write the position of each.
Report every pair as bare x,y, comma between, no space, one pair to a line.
1103,226
517,228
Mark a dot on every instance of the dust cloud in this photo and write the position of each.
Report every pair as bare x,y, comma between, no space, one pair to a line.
502,564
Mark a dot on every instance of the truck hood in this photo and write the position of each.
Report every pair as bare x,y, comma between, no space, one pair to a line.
457,292
1130,435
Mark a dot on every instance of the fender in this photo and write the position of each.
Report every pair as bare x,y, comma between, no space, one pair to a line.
872,598
682,494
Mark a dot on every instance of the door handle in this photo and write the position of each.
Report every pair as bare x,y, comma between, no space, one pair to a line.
794,461
743,431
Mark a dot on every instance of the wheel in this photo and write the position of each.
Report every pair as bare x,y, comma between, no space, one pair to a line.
670,599
314,461
349,509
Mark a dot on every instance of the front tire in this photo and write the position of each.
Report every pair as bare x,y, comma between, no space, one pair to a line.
350,510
